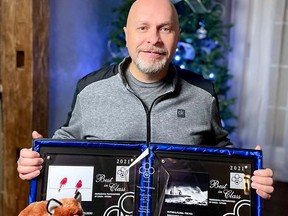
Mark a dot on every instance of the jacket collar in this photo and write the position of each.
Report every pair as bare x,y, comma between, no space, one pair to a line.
172,75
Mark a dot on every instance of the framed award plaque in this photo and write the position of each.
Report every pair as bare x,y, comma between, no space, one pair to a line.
98,170
205,181
131,178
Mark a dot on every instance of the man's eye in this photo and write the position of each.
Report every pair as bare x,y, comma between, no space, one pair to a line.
142,28
165,29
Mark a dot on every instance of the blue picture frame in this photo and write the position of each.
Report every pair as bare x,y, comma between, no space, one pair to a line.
225,170
153,177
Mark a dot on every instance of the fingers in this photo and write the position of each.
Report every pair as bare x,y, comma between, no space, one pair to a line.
263,194
28,172
37,161
262,182
263,172
29,164
268,188
264,191
28,153
30,175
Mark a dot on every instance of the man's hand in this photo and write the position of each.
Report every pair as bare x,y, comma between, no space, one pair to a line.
262,181
29,162
36,135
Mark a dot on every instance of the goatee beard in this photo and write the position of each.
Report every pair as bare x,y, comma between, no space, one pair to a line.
154,66
150,68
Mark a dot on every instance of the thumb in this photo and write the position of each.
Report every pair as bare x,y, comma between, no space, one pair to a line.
36,135
258,147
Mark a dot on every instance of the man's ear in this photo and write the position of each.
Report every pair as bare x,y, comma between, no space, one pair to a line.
78,197
125,32
52,205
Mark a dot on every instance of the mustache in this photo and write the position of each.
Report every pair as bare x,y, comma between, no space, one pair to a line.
157,50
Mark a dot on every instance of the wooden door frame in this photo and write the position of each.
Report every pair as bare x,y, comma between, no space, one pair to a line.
24,71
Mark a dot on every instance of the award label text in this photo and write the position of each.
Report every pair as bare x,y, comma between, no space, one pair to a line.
229,194
102,178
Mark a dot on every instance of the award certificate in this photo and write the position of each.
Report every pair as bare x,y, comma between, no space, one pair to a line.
135,179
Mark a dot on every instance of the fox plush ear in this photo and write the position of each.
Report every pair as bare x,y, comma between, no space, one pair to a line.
52,205
78,197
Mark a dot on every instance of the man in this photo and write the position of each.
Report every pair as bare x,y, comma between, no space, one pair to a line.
145,97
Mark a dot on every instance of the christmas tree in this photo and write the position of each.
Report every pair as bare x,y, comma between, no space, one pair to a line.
203,46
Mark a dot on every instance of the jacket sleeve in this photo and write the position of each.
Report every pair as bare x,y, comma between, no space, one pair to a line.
220,134
73,127
100,74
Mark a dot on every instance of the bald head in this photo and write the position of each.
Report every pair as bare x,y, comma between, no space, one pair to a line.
152,8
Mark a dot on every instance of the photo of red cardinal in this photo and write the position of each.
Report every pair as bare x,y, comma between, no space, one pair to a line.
78,185
62,183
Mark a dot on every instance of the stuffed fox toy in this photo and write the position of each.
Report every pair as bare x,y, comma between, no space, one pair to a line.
62,207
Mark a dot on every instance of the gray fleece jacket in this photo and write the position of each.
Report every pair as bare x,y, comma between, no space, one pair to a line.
105,108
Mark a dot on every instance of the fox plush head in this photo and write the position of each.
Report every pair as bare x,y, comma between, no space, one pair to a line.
62,207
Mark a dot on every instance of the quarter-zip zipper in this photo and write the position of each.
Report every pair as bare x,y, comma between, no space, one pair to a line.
148,113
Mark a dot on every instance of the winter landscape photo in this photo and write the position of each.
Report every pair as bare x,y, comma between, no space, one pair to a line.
187,188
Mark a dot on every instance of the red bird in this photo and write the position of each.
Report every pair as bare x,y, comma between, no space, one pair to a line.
78,185
62,183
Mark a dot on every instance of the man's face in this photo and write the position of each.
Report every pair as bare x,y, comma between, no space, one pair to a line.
152,33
